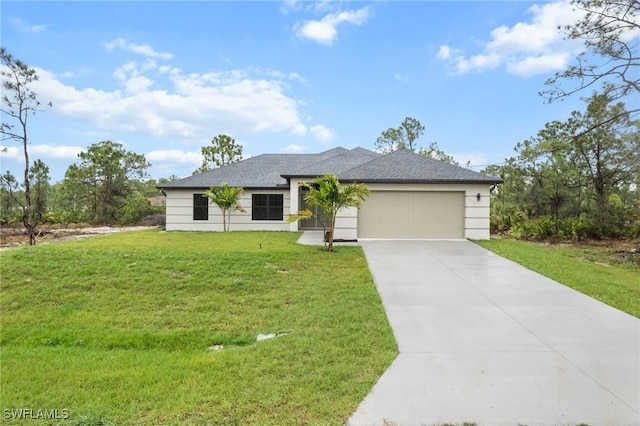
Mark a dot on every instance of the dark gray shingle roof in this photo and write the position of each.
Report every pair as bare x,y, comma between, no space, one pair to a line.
356,165
262,171
336,164
407,166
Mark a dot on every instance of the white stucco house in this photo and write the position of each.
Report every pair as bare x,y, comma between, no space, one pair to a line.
412,196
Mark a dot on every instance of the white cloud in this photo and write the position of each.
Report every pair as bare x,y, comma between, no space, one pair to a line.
24,27
293,148
299,130
289,5
140,49
10,152
321,133
401,78
132,79
478,62
294,76
325,30
444,52
321,6
48,151
473,159
165,101
277,74
538,64
524,49
55,151
174,156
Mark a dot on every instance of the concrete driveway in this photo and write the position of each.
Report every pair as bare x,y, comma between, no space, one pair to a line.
485,340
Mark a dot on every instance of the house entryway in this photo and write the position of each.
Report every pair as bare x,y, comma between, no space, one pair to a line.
315,223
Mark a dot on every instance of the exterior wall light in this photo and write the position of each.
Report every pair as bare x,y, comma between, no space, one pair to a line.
478,196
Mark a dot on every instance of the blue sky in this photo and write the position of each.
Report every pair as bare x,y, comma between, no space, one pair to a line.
164,78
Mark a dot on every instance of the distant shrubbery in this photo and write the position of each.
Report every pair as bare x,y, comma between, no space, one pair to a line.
578,179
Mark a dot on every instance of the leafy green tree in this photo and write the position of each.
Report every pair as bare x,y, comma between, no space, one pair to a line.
607,153
39,175
433,151
402,137
67,204
136,208
545,160
569,182
19,103
327,193
223,151
104,178
9,205
169,179
507,207
227,198
609,30
405,137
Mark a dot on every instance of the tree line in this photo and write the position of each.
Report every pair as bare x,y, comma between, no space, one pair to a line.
576,178
580,178
107,185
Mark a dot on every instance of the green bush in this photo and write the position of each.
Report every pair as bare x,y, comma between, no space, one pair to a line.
633,231
135,210
573,229
541,228
516,232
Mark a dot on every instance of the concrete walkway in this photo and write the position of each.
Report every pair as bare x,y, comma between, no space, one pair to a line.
485,340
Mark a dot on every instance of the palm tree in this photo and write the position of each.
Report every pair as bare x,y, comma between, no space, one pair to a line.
327,193
227,198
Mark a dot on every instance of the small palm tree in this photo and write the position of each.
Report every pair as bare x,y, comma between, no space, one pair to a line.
327,193
228,199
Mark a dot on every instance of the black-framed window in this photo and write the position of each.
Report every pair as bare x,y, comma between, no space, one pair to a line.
267,206
200,207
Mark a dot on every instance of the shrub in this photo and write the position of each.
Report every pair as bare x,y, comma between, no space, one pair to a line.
158,219
541,228
573,229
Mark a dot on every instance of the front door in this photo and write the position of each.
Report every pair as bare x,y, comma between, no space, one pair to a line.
315,222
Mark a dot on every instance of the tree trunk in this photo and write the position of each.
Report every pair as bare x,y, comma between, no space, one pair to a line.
332,228
27,213
224,220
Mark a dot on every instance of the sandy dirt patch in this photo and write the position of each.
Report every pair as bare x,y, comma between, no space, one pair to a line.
15,237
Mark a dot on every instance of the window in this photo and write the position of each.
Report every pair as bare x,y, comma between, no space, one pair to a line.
200,207
266,206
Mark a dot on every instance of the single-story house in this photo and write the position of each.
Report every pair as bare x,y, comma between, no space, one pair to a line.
412,196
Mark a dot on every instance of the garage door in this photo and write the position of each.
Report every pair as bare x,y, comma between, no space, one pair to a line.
415,214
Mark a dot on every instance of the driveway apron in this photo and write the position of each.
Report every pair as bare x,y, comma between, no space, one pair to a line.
485,340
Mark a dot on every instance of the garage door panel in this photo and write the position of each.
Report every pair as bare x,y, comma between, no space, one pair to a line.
412,214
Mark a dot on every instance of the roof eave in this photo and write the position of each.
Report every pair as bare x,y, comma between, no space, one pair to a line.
436,181
279,186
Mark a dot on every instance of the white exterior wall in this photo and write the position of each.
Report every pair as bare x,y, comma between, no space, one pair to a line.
179,208
294,194
180,213
476,212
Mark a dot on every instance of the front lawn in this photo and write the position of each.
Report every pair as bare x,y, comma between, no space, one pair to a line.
603,273
121,329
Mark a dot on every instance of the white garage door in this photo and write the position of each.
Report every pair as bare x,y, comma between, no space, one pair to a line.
415,214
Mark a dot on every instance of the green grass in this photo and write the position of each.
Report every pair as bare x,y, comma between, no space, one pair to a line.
594,271
117,329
